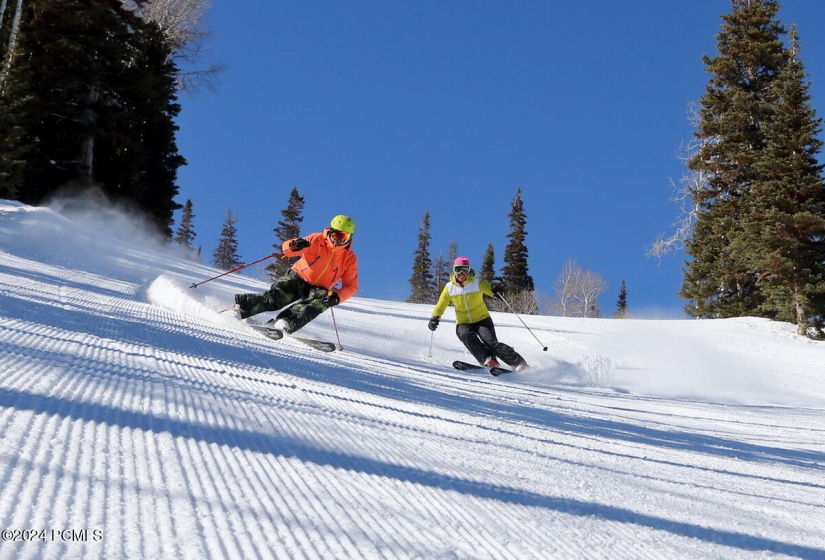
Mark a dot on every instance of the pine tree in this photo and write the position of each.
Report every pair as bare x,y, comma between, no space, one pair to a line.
150,87
92,103
13,151
514,275
288,228
735,109
621,302
757,243
185,233
488,270
421,280
785,219
225,256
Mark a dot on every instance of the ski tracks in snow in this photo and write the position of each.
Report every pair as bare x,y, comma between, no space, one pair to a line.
182,440
133,409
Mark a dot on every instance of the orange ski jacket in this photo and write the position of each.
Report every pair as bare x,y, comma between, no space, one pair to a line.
324,264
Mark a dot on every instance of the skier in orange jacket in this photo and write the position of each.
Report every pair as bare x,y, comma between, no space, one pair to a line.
326,259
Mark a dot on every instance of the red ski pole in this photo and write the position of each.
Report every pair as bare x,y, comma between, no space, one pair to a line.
233,270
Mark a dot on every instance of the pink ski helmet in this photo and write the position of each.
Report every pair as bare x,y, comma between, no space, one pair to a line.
461,261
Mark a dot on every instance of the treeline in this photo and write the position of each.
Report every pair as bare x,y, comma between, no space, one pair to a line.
576,291
88,100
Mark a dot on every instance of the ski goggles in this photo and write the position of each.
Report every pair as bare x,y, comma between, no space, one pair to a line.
338,237
465,270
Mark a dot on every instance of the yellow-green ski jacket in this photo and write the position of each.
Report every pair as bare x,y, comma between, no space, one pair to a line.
467,299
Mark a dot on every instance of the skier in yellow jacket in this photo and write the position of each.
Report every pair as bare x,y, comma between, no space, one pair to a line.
474,326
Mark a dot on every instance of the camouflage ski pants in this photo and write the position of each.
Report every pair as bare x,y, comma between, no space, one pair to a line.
480,339
289,289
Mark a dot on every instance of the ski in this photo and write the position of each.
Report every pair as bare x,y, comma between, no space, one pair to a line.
321,345
466,366
269,332
277,334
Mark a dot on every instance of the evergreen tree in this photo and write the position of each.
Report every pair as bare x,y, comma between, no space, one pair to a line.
757,243
288,228
621,302
785,220
735,109
92,103
488,271
421,280
185,233
149,125
13,152
226,255
514,275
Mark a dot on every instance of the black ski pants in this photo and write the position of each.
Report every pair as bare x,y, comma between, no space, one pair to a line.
480,339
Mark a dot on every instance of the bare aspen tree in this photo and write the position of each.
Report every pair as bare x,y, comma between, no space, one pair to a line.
692,181
591,286
564,287
13,20
182,24
440,272
577,292
522,301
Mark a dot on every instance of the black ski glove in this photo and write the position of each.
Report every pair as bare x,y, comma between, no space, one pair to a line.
298,243
497,293
331,299
434,323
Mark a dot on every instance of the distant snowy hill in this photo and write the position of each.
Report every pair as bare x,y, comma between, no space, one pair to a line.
137,421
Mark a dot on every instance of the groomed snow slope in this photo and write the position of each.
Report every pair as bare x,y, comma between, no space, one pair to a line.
136,421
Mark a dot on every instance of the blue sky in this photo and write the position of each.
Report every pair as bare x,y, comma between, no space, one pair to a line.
384,110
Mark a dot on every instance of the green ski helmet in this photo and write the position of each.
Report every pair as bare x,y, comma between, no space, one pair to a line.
342,223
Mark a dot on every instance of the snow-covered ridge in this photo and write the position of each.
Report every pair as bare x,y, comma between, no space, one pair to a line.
136,421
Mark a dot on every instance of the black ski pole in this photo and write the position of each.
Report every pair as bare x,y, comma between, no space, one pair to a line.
335,325
501,297
233,270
